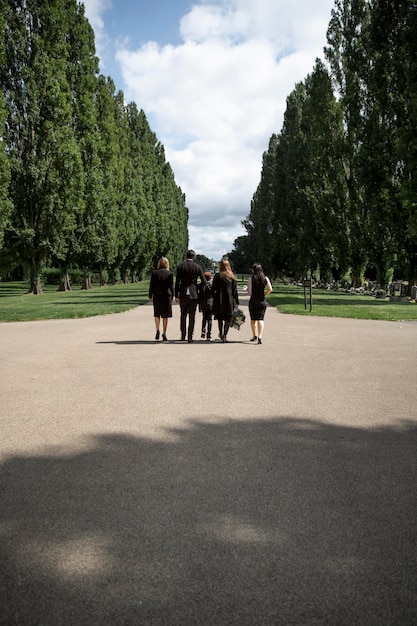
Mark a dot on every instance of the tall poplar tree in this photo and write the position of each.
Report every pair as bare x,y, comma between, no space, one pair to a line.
398,52
263,209
5,202
295,211
46,168
82,73
325,186
377,159
143,244
347,57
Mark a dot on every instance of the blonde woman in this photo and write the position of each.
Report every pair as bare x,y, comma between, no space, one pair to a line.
161,290
225,298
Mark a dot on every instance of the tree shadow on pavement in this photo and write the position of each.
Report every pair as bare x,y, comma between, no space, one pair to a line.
242,522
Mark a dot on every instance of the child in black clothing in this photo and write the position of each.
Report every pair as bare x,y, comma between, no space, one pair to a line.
205,305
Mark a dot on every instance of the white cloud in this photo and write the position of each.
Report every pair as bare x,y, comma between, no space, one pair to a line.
94,10
215,100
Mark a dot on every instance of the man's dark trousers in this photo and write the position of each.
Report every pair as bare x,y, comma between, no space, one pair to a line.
188,307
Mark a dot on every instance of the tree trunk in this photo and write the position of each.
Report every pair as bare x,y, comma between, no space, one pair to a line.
35,283
357,273
35,287
412,272
65,283
86,284
103,280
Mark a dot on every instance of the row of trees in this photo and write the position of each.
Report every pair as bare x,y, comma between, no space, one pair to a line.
339,182
83,180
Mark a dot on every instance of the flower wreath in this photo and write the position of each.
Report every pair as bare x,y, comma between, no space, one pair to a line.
238,318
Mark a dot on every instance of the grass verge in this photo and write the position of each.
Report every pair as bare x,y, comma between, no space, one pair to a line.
17,306
290,299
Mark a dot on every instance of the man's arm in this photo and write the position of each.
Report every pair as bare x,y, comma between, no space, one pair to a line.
177,283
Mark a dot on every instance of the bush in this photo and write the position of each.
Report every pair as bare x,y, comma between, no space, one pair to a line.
51,276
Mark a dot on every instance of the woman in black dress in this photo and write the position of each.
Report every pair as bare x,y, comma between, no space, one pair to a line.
225,298
259,287
161,290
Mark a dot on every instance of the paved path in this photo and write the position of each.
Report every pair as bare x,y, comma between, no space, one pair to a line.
150,483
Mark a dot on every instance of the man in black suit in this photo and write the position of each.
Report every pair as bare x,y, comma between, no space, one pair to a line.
187,294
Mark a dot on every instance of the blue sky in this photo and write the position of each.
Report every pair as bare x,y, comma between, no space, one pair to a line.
212,78
132,24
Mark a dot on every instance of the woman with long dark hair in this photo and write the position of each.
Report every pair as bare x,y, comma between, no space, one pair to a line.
259,286
225,298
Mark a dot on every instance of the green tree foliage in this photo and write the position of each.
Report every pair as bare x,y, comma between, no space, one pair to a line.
393,79
299,229
83,179
262,210
347,56
82,72
301,192
340,178
104,216
242,254
5,202
325,189
44,156
204,261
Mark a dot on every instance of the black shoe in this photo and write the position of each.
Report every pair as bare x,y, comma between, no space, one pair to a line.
259,340
164,337
157,336
254,338
191,341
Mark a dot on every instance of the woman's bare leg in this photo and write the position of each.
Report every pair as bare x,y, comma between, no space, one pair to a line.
260,328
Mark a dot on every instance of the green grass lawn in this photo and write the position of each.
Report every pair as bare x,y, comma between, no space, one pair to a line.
17,306
290,299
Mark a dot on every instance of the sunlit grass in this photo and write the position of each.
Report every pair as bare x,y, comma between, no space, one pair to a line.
17,306
290,299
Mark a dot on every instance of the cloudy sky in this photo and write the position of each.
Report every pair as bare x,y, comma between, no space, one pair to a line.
212,78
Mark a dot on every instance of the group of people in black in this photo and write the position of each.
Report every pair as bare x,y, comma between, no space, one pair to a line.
216,297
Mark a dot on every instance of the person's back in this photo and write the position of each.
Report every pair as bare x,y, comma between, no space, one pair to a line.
258,289
161,291
187,276
163,281
225,297
205,297
259,286
186,292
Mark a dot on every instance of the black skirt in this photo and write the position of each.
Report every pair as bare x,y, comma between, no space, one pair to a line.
162,306
257,310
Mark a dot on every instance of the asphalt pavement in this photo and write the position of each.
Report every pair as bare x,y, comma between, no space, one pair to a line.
167,483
